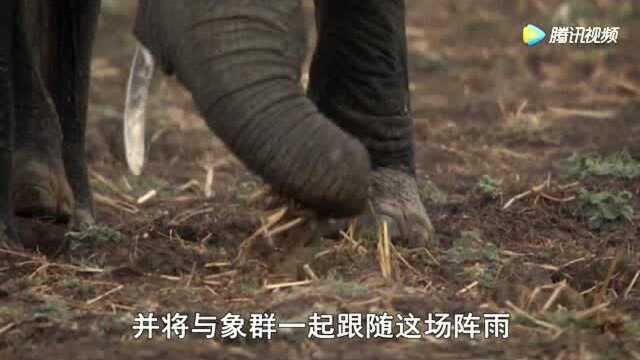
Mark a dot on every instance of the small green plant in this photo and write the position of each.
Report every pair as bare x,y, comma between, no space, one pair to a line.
618,165
489,186
53,308
250,285
432,63
632,327
94,234
348,289
47,308
72,283
246,189
605,207
77,286
470,247
475,259
431,193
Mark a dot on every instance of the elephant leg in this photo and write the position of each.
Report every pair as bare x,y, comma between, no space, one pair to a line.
359,78
8,14
67,74
40,185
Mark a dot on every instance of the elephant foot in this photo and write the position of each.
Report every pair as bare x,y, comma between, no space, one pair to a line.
81,218
41,188
394,199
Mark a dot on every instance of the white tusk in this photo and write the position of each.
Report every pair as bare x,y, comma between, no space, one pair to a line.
140,76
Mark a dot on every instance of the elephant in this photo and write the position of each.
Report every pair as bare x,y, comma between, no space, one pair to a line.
345,148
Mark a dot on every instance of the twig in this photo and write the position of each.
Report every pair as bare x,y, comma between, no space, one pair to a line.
7,327
267,223
431,256
553,198
217,264
109,184
580,259
543,266
554,295
287,285
530,317
629,86
533,190
186,215
284,227
124,307
258,194
537,291
179,199
38,270
42,261
189,184
610,275
191,275
592,114
512,253
631,285
213,292
467,288
208,183
349,235
568,186
521,108
585,292
587,313
384,252
307,269
403,260
96,299
86,269
146,197
115,203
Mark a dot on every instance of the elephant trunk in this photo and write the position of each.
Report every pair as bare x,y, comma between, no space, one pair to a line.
241,61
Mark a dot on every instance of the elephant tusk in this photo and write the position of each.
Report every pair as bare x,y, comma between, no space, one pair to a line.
140,76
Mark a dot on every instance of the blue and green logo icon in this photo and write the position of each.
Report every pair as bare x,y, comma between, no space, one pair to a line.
531,35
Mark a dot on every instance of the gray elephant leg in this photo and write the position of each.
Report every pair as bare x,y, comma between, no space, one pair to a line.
8,15
40,186
241,61
66,63
359,78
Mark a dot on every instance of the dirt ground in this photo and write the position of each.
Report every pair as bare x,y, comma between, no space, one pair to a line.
496,122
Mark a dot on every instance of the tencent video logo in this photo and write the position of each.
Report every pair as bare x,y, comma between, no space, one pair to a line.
572,35
532,35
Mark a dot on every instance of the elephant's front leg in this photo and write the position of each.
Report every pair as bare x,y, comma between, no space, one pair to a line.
359,78
8,14
68,79
40,186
